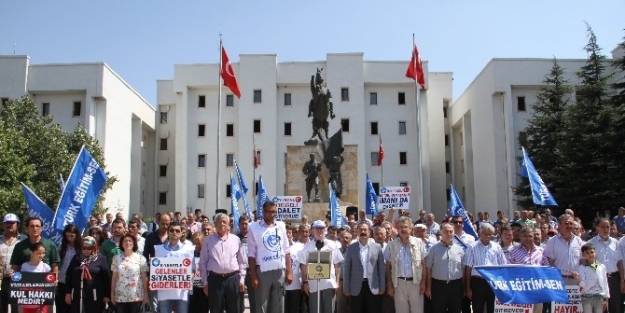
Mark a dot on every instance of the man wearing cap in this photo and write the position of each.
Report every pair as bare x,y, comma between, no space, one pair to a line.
7,243
323,288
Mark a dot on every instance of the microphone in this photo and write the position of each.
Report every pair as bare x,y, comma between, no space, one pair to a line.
280,245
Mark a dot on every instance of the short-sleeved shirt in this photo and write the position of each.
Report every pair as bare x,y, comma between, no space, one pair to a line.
566,255
481,254
6,250
129,285
335,258
445,261
607,252
21,252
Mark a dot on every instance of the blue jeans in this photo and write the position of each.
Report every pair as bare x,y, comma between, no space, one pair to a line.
167,306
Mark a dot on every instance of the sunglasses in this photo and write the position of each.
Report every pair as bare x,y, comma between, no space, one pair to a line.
175,231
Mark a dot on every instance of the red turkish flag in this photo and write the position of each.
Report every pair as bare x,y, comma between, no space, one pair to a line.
380,153
255,157
227,73
415,68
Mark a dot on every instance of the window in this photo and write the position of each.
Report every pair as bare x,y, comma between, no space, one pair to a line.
162,198
201,101
402,128
444,112
446,167
200,191
401,98
258,96
287,129
403,184
230,130
403,160
77,108
520,104
258,157
163,117
201,160
374,159
229,100
374,128
163,143
287,99
376,187
446,140
257,126
344,94
461,165
256,189
461,139
201,130
373,98
229,159
162,170
45,109
228,191
448,194
345,125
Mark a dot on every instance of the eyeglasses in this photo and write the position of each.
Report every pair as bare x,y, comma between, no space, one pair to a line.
175,231
87,248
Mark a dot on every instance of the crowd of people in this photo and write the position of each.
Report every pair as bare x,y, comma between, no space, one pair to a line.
384,264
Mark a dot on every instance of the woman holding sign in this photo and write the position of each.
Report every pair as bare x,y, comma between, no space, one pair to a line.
129,285
89,278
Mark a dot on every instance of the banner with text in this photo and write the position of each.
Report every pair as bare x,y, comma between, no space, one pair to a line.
28,288
513,308
394,197
171,273
525,284
288,207
197,275
575,301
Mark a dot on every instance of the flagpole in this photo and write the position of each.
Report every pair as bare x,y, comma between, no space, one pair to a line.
419,139
217,193
381,163
254,193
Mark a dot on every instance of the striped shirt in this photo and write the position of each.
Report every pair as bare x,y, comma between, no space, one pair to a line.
481,254
520,255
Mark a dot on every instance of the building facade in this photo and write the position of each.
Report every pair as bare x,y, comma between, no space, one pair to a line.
371,99
94,96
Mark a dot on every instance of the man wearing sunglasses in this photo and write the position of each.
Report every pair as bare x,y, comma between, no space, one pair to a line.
173,247
465,241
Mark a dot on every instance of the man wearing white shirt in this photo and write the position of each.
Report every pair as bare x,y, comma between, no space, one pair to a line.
362,218
465,241
609,254
326,288
293,294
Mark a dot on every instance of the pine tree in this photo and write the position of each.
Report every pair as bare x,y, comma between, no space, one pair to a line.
543,133
617,130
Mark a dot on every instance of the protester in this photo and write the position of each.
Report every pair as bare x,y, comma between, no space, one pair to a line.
198,301
36,265
112,247
99,234
293,291
342,301
325,289
528,253
419,231
129,280
178,298
8,241
269,260
70,246
608,254
88,280
244,226
444,274
592,279
364,279
430,222
134,228
564,249
154,239
222,258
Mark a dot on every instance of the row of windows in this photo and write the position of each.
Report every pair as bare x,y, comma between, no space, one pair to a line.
403,158
201,162
76,109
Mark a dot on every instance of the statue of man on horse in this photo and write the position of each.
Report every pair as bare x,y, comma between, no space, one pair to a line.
320,106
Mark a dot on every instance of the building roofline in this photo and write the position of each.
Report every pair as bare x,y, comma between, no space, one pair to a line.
14,56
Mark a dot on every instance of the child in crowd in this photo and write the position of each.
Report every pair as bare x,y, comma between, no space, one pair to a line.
593,282
37,253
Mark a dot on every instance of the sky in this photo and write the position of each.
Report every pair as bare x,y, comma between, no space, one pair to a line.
142,40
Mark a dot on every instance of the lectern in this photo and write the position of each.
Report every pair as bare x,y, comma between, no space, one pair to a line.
318,268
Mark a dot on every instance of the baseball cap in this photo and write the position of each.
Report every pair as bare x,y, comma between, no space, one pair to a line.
318,224
11,218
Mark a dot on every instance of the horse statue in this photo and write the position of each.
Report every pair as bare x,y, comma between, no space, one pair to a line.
320,106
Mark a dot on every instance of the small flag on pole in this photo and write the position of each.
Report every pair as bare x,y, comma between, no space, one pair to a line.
456,208
540,192
235,194
262,197
415,68
227,73
372,198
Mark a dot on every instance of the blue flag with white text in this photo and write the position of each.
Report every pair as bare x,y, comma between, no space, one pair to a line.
456,208
336,216
540,192
37,208
244,189
81,192
262,197
372,199
525,284
235,194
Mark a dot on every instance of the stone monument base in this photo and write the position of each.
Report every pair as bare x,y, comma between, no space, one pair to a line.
318,211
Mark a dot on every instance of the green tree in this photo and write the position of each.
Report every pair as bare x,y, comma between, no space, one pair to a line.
543,133
36,151
616,136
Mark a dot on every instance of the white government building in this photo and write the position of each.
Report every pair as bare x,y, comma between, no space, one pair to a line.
164,154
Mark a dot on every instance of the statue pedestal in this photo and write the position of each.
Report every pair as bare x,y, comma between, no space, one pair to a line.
318,211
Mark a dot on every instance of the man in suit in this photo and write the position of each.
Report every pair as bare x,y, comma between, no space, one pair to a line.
364,276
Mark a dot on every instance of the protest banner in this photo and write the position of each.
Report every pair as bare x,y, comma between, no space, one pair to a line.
288,207
171,273
28,288
513,308
37,208
397,197
197,276
525,284
575,299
